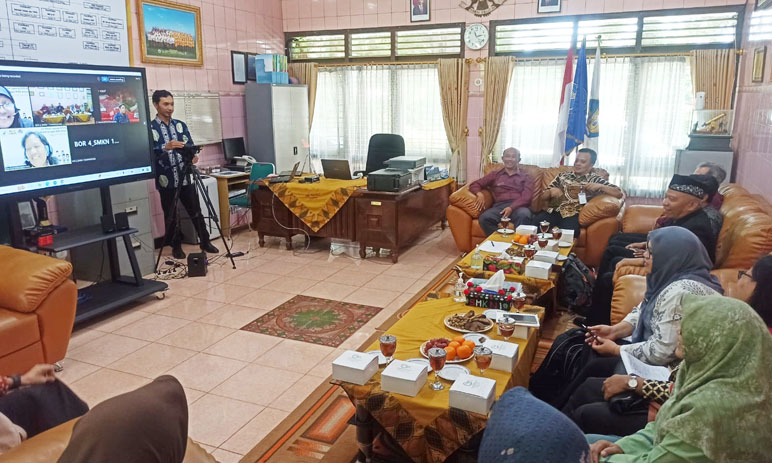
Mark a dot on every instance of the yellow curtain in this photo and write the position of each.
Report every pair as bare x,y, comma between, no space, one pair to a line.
454,94
498,72
713,72
306,73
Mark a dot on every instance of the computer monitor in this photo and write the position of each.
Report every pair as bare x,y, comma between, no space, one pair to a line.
233,147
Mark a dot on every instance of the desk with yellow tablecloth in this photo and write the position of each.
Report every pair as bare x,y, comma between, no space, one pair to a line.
426,428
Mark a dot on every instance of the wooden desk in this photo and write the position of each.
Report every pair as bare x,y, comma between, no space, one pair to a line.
225,183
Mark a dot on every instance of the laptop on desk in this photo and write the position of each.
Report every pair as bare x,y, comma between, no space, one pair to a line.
285,178
336,168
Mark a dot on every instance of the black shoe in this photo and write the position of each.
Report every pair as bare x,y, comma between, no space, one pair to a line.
178,253
209,248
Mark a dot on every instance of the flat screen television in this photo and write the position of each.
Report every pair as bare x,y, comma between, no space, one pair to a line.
66,127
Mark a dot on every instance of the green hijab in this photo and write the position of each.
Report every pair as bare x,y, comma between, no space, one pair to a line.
721,398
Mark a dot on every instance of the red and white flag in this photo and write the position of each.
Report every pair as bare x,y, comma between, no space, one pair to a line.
565,104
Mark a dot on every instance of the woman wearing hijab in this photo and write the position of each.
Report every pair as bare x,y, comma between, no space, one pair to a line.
522,429
677,263
720,409
9,113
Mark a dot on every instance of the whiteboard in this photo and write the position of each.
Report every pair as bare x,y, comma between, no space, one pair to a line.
200,111
69,31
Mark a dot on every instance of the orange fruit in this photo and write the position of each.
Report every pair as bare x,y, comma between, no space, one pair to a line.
464,352
459,339
454,345
451,351
469,344
523,240
516,237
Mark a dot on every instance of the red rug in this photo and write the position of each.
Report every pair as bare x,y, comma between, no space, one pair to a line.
314,320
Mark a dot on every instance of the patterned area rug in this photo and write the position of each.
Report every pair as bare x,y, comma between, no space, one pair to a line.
314,320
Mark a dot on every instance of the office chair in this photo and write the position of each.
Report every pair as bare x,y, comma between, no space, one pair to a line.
382,147
257,171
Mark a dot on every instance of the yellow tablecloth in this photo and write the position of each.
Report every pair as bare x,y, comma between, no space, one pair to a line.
316,203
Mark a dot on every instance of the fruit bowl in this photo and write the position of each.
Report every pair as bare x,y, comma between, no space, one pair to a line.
424,348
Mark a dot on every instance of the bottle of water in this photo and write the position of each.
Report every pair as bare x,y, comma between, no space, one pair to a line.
477,259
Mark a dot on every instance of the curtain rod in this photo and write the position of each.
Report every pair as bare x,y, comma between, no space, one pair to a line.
388,63
604,55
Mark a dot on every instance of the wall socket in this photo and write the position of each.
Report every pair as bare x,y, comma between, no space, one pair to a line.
131,210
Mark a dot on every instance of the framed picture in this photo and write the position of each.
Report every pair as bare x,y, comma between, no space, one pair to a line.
759,56
548,6
761,4
239,67
169,33
419,10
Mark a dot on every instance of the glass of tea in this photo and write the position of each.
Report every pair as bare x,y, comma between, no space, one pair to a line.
544,226
529,251
388,346
483,357
557,233
542,241
437,358
518,301
506,327
504,224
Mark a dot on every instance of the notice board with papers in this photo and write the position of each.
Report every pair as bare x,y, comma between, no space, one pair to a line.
200,111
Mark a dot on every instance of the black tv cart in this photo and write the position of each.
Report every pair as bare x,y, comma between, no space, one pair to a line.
120,290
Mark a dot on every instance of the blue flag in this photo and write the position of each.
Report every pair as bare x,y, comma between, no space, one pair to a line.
577,115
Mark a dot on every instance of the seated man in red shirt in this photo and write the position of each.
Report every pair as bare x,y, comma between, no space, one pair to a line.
512,190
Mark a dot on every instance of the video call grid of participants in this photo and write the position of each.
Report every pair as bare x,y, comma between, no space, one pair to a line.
34,120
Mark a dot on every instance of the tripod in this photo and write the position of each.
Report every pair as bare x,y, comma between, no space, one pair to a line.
189,169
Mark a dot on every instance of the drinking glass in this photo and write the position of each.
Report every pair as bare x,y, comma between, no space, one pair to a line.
437,358
542,241
557,233
529,251
504,224
388,346
544,226
518,300
506,327
483,357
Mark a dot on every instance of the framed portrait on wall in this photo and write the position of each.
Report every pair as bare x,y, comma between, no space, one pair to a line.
548,6
761,4
759,56
419,10
169,33
239,67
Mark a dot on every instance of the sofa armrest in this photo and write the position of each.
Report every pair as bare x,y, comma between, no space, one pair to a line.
28,278
598,208
628,293
623,270
466,200
461,227
598,234
640,218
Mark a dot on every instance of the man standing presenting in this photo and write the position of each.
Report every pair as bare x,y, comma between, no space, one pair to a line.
169,136
512,190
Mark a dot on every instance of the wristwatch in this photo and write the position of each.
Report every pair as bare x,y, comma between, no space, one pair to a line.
632,383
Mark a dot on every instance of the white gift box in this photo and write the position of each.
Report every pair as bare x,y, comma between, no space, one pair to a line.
552,245
472,393
354,367
404,378
549,257
567,236
504,354
526,230
538,269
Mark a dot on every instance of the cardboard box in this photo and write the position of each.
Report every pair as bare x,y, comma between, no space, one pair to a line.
404,378
473,393
526,230
504,354
549,257
354,367
567,236
538,269
552,245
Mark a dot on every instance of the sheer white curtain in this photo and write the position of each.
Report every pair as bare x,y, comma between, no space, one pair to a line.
645,112
355,102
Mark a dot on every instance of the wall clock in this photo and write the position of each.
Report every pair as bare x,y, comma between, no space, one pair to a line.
476,36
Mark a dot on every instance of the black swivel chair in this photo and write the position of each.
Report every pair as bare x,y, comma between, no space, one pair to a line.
382,147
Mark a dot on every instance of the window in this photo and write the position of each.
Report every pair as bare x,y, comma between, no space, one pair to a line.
355,102
761,26
645,111
429,42
370,44
696,29
318,47
534,36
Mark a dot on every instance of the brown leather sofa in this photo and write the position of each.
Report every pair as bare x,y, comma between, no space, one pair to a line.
48,446
37,309
745,236
598,218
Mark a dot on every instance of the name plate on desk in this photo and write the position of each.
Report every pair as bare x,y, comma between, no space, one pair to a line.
375,203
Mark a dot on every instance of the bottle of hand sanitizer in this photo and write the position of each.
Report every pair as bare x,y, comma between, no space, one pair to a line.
477,259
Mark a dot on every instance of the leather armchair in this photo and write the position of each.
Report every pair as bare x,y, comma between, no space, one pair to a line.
37,309
48,446
598,218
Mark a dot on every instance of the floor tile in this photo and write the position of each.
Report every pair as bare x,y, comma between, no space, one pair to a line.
105,383
209,449
214,419
369,265
254,279
294,356
233,316
190,308
107,349
191,395
254,431
196,336
224,293
75,370
152,304
243,345
257,384
329,290
315,271
83,336
408,270
224,456
374,297
291,284
390,283
117,320
417,285
323,368
351,277
152,360
204,372
358,338
297,393
152,328
266,299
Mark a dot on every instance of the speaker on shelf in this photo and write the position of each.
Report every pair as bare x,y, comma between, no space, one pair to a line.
108,224
197,264
122,221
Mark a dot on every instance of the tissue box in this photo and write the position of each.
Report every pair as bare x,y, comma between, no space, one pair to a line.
504,354
526,230
567,236
354,367
404,378
549,257
538,269
473,394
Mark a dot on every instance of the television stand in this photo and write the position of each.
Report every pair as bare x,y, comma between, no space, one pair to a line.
120,290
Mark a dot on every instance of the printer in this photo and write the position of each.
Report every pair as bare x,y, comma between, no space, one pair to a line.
402,173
